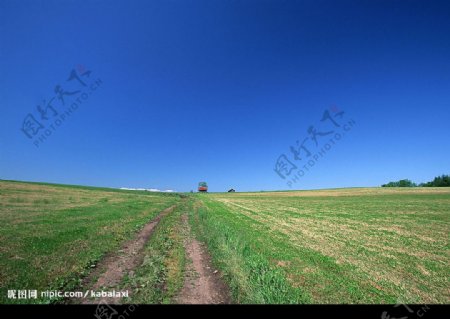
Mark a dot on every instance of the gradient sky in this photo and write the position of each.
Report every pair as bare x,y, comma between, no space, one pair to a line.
218,90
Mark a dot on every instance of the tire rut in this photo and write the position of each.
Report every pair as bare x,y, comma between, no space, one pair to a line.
111,270
203,284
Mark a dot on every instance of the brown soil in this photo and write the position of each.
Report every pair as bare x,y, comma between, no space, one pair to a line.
203,284
110,271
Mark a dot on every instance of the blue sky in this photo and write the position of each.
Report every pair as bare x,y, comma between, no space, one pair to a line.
218,90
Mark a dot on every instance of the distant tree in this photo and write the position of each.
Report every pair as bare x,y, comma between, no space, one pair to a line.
406,183
400,183
439,181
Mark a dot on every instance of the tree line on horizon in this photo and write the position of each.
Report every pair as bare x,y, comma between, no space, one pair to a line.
438,181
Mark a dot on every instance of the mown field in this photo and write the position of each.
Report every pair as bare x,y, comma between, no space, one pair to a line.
51,236
362,245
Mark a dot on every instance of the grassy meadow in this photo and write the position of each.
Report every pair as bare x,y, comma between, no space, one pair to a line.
361,245
52,235
355,245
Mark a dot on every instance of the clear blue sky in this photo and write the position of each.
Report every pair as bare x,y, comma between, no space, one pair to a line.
217,90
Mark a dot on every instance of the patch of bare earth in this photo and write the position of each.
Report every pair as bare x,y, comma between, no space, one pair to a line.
111,270
203,284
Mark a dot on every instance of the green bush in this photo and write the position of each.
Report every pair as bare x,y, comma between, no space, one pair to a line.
400,183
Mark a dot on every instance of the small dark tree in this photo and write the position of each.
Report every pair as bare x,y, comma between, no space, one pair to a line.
400,183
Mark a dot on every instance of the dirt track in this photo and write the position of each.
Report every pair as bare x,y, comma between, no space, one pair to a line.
203,284
113,268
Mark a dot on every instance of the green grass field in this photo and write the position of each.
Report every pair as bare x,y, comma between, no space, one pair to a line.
52,235
331,246
361,245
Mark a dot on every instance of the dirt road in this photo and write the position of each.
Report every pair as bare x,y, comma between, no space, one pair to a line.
203,283
113,268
